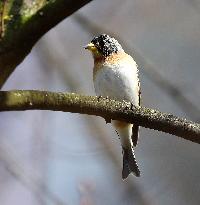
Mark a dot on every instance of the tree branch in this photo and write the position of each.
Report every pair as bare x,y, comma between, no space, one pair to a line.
23,22
108,109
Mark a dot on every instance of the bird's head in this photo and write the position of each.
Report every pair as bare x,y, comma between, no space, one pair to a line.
103,46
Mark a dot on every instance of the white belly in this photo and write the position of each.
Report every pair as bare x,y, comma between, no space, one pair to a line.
119,84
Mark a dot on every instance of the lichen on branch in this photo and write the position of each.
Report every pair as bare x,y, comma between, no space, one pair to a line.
108,109
23,22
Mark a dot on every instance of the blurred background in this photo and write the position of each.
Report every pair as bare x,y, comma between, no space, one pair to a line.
61,158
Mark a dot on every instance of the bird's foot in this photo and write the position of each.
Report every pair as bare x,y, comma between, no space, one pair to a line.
108,120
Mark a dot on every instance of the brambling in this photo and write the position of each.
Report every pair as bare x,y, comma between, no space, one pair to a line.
115,75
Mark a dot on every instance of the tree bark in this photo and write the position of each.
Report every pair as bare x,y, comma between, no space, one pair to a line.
20,100
23,22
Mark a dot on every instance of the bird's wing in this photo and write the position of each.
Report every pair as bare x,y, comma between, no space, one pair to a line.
139,93
135,128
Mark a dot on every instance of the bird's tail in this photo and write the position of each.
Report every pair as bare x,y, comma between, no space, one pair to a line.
129,163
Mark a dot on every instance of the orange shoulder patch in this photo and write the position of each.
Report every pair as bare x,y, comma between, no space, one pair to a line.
115,57
112,59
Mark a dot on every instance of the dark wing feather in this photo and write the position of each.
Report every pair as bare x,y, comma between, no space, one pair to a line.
135,129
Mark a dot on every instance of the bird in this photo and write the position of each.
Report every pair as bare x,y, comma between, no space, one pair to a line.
115,75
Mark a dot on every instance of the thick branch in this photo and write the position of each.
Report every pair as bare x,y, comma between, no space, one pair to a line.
23,22
106,108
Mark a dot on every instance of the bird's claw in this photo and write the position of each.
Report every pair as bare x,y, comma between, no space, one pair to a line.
132,106
108,120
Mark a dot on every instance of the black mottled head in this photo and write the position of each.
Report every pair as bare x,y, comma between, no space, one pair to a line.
106,45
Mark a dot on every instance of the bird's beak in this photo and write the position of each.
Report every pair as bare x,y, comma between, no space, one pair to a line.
90,47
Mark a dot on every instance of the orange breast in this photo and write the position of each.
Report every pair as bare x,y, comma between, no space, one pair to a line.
112,59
